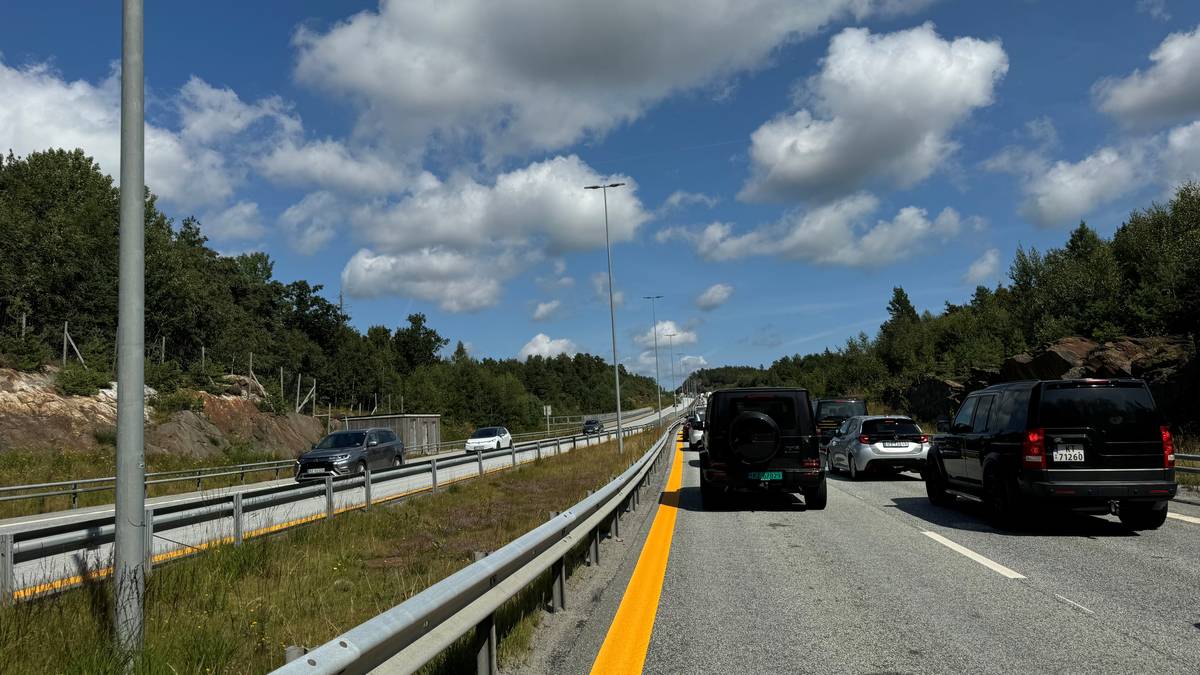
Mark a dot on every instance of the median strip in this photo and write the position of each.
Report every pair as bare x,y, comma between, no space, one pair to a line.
982,560
625,646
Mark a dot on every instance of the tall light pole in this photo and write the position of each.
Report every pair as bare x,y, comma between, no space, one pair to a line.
612,313
129,548
671,338
654,330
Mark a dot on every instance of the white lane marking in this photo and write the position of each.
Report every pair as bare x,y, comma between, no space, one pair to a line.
1187,519
986,562
1070,601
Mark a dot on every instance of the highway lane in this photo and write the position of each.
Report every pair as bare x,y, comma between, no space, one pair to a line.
881,581
65,569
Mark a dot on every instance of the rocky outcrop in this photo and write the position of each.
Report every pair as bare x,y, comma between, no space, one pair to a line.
1065,359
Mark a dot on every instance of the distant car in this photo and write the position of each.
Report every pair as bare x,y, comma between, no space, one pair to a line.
348,452
593,427
489,438
695,435
877,442
829,413
1097,445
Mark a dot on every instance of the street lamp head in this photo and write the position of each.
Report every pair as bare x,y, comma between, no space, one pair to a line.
615,184
601,187
652,297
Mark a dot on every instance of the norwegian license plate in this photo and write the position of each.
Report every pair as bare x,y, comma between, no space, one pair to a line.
1068,452
765,475
314,471
895,444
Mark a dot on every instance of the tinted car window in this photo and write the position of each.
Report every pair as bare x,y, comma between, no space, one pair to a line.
890,426
965,412
486,432
1123,412
781,409
1002,409
389,437
342,439
841,408
982,411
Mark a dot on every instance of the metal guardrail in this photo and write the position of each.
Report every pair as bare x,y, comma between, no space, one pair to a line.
35,544
76,487
421,627
1187,469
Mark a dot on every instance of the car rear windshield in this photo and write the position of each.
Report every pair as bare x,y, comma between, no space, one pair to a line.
592,422
342,439
486,432
889,427
841,408
781,409
1121,411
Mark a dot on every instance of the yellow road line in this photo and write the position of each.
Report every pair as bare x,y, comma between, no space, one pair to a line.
628,639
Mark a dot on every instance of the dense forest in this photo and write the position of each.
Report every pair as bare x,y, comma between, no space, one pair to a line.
1144,281
207,313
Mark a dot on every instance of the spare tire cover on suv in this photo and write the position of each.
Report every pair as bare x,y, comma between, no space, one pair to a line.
754,437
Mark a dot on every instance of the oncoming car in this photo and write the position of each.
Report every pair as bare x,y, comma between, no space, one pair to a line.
347,452
489,438
592,427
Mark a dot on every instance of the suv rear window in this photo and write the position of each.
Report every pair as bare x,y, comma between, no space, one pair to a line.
841,408
1122,411
782,409
888,427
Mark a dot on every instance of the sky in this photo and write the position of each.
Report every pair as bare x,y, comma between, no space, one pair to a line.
786,162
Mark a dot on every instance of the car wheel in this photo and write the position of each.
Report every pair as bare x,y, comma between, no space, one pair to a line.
497,445
815,498
829,467
1001,498
362,468
853,466
1142,515
397,461
935,485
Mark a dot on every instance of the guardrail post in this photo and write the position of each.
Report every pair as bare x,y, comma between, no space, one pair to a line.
558,600
479,458
198,479
512,451
238,526
539,451
74,495
367,489
433,471
7,582
328,496
557,449
148,538
593,557
484,644
614,529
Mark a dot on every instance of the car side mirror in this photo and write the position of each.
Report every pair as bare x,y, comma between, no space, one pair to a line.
961,429
943,425
371,444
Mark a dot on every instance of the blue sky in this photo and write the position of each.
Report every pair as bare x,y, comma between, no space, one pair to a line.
789,162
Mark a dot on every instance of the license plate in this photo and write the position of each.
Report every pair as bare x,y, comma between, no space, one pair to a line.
1068,452
895,444
765,475
314,471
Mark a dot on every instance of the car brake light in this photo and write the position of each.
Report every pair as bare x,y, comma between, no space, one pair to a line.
1034,449
924,438
810,463
864,439
1168,448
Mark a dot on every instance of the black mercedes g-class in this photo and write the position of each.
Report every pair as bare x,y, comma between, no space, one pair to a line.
760,439
1097,445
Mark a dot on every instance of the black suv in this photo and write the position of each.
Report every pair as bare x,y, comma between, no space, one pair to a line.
760,439
1090,445
831,412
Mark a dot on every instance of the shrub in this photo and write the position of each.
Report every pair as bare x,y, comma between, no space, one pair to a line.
106,436
175,401
77,380
23,353
165,377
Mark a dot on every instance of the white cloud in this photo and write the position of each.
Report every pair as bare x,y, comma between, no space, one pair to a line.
331,165
714,297
209,114
1064,192
457,282
1181,156
313,222
455,71
837,233
1167,91
984,268
1155,8
600,288
690,364
680,199
664,329
882,109
545,310
542,345
240,221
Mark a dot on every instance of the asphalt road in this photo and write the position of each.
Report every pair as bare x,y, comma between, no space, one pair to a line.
65,569
882,581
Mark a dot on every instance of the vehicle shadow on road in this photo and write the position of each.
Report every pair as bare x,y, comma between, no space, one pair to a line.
879,477
689,500
964,515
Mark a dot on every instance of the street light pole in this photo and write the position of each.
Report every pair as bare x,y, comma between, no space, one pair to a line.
612,313
129,563
654,330
671,339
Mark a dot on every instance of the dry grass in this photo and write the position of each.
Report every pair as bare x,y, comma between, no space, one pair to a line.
233,610
1187,445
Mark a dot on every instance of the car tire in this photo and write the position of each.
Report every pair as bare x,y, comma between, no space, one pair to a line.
1142,515
935,484
815,498
1001,498
497,445
397,461
853,467
829,467
362,468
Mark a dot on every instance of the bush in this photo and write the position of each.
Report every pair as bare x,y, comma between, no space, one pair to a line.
77,380
106,436
27,353
164,378
175,401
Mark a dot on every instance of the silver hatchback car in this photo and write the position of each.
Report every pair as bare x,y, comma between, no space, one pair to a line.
877,442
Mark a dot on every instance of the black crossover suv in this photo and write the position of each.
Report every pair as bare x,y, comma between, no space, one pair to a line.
1091,445
760,439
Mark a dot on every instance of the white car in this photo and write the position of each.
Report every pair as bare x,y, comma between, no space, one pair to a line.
696,436
489,438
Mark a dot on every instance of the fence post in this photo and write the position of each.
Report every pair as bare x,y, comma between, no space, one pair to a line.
238,532
148,538
7,582
328,496
367,489
433,471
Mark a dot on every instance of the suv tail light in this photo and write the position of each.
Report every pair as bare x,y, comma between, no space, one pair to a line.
924,438
1168,448
1033,448
864,439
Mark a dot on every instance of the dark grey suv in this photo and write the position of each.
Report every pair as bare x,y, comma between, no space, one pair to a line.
347,452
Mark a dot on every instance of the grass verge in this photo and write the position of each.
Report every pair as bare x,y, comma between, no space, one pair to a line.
1188,445
234,609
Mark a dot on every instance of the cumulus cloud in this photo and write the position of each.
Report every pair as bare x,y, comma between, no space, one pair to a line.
240,221
681,199
664,329
545,310
1167,91
457,282
453,71
542,345
714,297
882,109
330,164
210,114
837,233
600,288
984,268
690,364
312,222
1181,155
